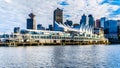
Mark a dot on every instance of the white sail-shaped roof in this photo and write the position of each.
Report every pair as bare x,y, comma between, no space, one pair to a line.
83,29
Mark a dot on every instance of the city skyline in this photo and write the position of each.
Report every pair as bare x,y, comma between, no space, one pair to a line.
14,12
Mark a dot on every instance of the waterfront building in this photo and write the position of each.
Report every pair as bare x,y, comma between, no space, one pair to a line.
70,36
91,20
57,17
31,23
61,35
83,20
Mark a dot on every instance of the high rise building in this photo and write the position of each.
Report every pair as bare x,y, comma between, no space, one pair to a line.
31,23
111,29
106,27
91,21
83,20
97,23
58,18
102,22
58,15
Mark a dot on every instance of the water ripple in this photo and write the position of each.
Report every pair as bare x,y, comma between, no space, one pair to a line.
60,57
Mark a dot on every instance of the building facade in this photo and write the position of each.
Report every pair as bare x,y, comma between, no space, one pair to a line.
111,29
97,23
83,20
31,23
16,29
91,21
102,22
58,18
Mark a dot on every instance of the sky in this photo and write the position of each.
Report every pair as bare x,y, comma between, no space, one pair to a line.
13,13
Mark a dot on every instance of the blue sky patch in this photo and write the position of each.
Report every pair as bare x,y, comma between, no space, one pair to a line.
66,16
112,2
64,3
115,12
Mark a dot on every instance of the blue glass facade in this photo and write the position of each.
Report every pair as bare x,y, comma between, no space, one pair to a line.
16,29
91,20
102,21
111,27
83,20
29,23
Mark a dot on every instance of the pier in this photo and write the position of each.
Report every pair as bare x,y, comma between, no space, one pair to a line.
54,43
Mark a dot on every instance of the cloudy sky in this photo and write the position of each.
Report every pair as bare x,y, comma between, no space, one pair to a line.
13,13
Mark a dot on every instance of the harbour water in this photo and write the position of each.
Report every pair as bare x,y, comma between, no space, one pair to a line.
91,56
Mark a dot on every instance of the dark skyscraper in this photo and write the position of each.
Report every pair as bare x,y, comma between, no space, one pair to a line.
111,29
58,17
97,23
91,21
83,20
31,23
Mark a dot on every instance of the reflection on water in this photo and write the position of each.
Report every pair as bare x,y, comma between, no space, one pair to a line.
60,57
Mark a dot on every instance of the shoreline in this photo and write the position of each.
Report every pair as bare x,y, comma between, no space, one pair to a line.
15,44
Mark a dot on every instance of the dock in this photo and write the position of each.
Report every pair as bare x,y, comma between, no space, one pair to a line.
14,44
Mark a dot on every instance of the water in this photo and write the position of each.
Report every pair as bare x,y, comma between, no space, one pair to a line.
60,57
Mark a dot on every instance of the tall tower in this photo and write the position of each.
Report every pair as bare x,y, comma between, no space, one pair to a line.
31,23
58,16
102,21
91,21
97,23
83,20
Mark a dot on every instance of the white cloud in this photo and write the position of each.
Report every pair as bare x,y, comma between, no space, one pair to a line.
8,1
15,14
